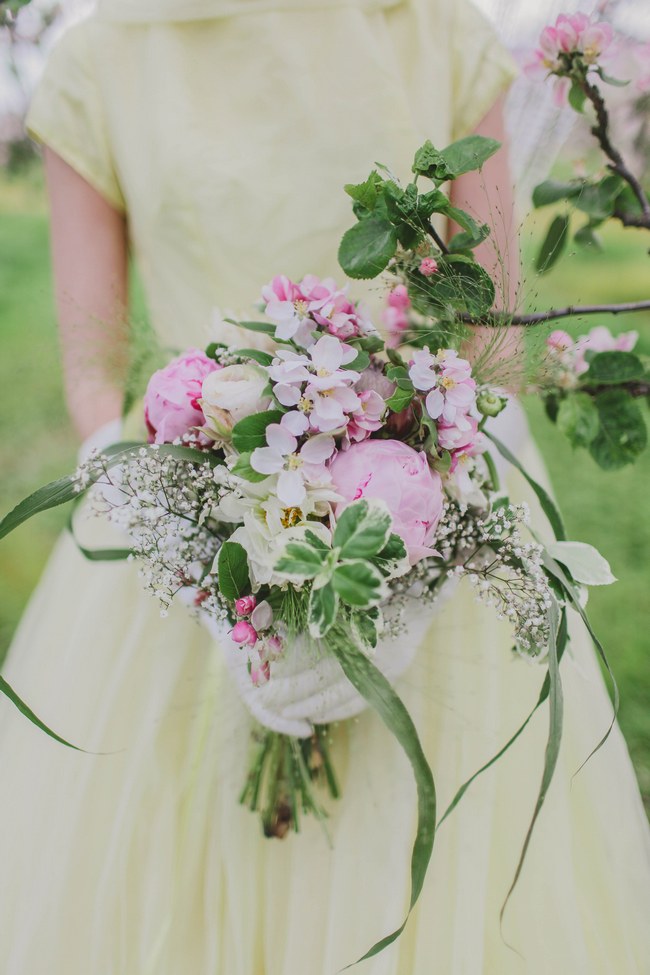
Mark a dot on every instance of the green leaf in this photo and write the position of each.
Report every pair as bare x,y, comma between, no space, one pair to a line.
555,570
265,327
392,556
323,607
242,467
316,541
585,563
609,368
562,641
627,202
553,245
400,399
104,554
359,583
250,432
463,219
577,97
366,193
362,529
365,627
10,693
577,419
548,505
373,686
597,199
367,248
429,162
369,343
555,717
361,362
460,283
429,203
552,191
50,496
232,567
468,154
264,358
467,241
300,561
609,80
622,435
586,237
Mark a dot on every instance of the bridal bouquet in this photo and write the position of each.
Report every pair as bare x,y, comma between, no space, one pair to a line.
301,499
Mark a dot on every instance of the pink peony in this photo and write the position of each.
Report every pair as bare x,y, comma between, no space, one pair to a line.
401,477
171,402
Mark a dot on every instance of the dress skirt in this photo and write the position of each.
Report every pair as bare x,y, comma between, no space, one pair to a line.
135,858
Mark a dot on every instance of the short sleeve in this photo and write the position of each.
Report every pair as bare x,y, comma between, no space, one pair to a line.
67,114
482,68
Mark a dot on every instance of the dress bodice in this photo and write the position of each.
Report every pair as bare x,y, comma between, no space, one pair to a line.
228,140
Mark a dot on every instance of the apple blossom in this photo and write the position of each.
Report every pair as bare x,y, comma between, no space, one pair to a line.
294,466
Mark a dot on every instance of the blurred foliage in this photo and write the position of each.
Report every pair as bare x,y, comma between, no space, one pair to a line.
606,509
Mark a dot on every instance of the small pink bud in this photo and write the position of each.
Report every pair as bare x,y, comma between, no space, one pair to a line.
245,634
274,647
428,266
245,605
398,297
261,675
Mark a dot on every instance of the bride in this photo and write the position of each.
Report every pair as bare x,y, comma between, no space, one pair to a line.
211,139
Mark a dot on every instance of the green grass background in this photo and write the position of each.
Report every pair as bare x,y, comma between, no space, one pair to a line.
610,510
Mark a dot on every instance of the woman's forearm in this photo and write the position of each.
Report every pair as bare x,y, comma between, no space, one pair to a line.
488,196
89,258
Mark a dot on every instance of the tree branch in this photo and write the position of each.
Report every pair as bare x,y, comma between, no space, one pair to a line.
505,318
617,163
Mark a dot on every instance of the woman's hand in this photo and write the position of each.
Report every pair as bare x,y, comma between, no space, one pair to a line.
89,256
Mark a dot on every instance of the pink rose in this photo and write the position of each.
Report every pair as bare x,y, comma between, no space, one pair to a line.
171,402
401,477
245,605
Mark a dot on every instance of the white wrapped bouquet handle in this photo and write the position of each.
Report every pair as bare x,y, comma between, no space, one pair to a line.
307,685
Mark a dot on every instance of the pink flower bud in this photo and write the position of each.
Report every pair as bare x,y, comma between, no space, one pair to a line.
428,266
261,675
245,605
244,634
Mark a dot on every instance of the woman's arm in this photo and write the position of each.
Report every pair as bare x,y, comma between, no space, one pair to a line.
89,257
488,196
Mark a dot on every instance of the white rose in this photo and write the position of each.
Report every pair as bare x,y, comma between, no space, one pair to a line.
230,394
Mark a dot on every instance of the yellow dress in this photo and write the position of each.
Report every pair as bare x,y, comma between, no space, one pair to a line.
226,130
